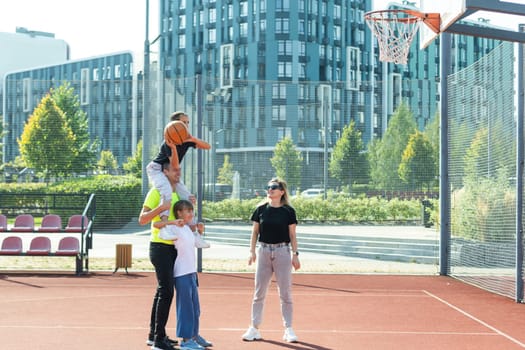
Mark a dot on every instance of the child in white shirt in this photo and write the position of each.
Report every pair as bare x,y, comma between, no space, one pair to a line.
185,275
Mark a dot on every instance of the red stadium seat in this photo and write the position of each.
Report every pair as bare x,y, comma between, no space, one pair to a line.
51,223
24,223
11,245
68,246
39,246
75,223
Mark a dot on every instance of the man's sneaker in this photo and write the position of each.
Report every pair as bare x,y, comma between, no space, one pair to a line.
167,234
190,344
251,334
199,242
150,341
202,342
289,335
164,344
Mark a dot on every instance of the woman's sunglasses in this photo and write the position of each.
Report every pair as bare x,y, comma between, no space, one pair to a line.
273,187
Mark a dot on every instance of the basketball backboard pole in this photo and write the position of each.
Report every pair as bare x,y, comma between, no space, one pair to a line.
444,183
520,158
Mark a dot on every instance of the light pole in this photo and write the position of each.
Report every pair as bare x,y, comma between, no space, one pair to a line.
325,95
214,155
145,107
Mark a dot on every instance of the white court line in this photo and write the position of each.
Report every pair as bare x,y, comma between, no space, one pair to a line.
240,330
476,319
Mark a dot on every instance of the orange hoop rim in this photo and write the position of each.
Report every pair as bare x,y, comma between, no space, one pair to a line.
431,20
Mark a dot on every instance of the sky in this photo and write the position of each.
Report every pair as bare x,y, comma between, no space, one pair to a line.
91,28
100,27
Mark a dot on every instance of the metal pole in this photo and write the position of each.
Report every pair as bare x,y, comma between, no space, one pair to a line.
519,173
444,185
198,94
145,107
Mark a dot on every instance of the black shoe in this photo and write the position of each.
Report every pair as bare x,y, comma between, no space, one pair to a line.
165,344
150,341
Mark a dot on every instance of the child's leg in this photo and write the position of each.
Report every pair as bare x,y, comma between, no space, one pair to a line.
161,183
182,190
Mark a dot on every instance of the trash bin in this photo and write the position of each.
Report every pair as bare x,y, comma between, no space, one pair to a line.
426,207
122,256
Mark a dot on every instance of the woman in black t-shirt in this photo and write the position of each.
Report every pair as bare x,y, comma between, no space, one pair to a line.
274,227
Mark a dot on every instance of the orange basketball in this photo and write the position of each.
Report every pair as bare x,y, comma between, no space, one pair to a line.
176,132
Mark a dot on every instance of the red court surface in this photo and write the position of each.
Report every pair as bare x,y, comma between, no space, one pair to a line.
105,311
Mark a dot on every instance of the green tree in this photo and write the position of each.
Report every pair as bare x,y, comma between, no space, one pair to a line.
348,163
287,162
47,143
387,153
86,151
418,163
432,133
226,172
133,165
107,162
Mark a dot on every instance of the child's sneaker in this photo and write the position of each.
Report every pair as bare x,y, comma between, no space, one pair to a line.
190,344
167,234
202,342
200,242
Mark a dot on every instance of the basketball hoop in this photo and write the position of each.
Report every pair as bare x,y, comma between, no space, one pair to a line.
395,30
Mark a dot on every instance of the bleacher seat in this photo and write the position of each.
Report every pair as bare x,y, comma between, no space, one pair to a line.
68,246
11,245
39,246
74,223
24,223
3,223
51,223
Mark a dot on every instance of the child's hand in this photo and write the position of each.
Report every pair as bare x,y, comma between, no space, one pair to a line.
179,222
200,227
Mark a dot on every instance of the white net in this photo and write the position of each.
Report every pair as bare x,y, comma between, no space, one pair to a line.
394,30
482,167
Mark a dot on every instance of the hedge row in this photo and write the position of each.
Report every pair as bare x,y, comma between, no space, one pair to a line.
119,200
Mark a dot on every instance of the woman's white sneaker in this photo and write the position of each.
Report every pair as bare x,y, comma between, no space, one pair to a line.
289,335
251,334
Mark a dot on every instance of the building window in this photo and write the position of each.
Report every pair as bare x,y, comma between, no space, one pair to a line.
243,9
279,112
182,41
284,48
226,66
182,22
84,86
262,25
212,15
284,69
282,5
243,30
337,11
353,68
279,91
263,6
337,32
27,94
302,70
212,36
282,26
